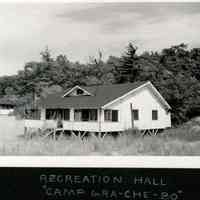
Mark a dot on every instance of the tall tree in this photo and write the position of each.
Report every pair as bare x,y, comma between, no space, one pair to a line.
128,69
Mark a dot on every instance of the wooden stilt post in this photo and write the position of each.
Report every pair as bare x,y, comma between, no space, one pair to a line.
84,133
73,134
99,135
54,134
120,133
156,132
104,135
143,133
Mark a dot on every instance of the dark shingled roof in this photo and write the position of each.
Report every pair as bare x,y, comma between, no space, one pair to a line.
6,101
101,95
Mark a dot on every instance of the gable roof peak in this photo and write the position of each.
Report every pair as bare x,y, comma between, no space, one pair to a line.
74,88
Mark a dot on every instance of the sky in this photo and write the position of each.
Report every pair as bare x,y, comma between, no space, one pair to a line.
80,30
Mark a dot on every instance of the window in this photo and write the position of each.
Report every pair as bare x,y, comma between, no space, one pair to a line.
107,115
77,115
135,113
111,115
79,92
66,115
154,115
62,114
93,115
115,115
50,114
85,114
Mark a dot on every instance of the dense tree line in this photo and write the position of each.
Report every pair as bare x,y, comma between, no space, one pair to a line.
175,71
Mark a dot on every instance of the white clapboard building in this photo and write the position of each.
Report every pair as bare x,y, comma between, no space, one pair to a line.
6,106
105,108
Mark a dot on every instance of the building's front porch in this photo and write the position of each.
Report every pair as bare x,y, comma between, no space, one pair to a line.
75,126
90,120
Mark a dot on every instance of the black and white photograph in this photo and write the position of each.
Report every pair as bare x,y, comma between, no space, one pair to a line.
100,79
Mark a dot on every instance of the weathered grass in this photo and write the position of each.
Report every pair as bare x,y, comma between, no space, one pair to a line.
183,140
124,145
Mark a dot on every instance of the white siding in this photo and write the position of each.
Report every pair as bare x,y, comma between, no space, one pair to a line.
6,111
145,102
111,127
81,126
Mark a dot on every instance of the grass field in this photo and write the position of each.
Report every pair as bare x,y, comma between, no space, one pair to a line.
183,140
124,145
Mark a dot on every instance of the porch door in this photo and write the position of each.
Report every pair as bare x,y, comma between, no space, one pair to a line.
85,115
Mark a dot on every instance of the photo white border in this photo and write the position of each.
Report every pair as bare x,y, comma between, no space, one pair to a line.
96,1
186,162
